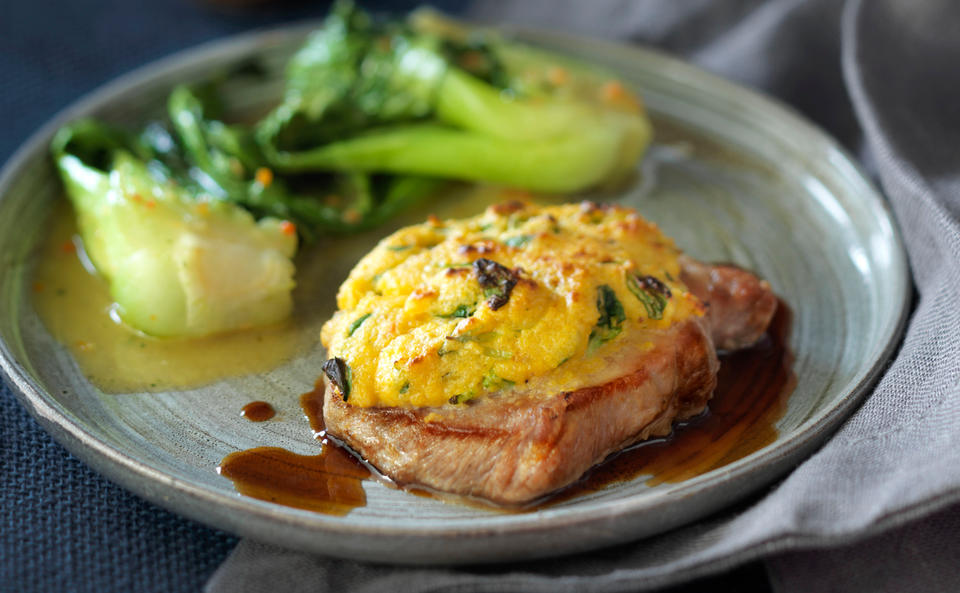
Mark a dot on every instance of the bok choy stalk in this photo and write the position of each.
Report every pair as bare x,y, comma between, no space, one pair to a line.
427,97
176,265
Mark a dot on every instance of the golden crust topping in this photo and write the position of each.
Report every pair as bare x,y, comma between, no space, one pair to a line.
448,311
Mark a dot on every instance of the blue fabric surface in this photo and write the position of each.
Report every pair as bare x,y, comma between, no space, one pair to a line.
62,526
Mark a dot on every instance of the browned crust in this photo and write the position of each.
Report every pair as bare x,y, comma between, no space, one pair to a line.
515,449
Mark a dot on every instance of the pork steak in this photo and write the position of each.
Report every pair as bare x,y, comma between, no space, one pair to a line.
519,445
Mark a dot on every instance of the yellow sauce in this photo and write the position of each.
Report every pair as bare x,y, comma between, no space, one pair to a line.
417,326
75,307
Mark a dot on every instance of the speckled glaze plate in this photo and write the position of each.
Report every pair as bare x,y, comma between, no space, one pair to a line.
733,177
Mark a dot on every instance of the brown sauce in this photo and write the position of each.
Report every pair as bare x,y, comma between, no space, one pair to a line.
752,391
328,483
312,405
258,411
753,386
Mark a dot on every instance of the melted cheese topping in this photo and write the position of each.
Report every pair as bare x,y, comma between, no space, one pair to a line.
428,319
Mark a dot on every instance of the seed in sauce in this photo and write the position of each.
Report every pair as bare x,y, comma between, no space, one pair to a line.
258,411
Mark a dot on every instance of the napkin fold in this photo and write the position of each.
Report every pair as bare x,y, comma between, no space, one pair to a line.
876,509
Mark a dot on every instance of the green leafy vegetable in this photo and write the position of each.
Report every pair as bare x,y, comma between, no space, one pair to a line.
518,241
429,98
612,316
501,354
357,323
494,382
228,163
651,292
352,74
339,374
175,266
374,116
461,312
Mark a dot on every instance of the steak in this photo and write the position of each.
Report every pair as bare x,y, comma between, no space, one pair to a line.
519,446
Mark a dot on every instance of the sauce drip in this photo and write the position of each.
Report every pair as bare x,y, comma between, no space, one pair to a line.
752,390
328,483
258,411
753,386
311,403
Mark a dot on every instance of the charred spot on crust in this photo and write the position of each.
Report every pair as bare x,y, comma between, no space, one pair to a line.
507,208
496,280
655,285
481,248
651,292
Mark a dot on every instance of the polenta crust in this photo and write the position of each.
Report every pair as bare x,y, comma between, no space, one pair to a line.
420,323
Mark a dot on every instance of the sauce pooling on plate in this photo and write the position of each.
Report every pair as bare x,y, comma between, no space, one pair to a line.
328,483
751,396
74,305
752,390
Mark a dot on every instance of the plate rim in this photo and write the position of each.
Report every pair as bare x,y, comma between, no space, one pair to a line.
157,486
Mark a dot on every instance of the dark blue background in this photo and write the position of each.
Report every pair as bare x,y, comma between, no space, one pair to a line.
62,527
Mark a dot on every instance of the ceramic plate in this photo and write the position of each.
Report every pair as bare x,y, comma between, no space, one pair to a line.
733,177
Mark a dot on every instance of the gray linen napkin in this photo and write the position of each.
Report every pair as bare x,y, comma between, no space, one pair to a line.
871,511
